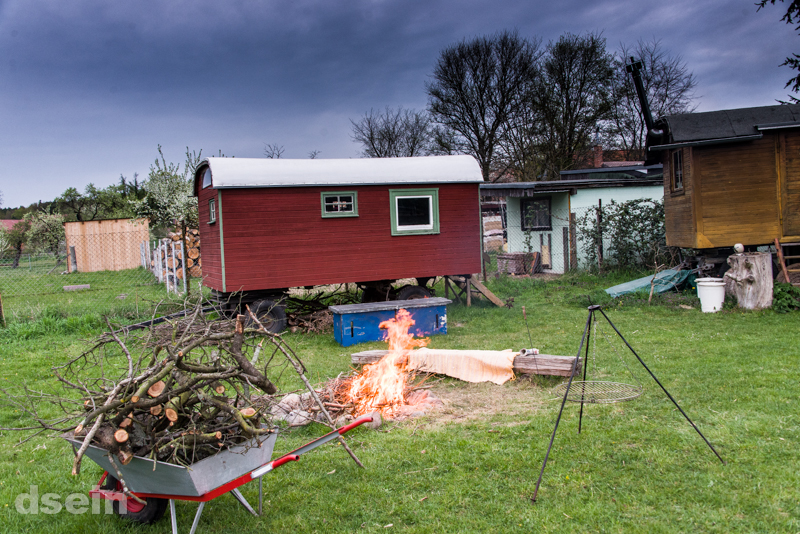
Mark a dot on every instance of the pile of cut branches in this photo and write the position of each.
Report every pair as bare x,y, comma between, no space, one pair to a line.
178,392
186,395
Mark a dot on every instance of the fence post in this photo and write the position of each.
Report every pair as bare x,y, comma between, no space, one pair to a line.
600,234
565,248
183,265
573,242
73,259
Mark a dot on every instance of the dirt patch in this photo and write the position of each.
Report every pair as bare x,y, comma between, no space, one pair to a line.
464,402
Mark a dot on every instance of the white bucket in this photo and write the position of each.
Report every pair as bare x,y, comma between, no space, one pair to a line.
712,294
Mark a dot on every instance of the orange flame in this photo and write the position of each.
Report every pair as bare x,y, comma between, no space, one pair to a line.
381,386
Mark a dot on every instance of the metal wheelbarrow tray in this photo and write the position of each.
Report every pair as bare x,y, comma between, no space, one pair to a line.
159,482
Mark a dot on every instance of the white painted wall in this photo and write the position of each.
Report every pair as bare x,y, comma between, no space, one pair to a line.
561,204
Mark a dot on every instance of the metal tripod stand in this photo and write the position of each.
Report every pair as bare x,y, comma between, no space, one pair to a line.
583,397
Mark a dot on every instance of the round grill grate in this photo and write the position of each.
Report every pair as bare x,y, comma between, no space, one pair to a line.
598,392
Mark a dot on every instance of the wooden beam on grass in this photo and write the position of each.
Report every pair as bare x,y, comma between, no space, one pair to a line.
540,364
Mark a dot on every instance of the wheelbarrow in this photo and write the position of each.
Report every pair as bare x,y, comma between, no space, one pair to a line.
160,484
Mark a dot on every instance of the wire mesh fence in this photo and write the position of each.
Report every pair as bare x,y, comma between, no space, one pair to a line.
116,274
560,246
554,237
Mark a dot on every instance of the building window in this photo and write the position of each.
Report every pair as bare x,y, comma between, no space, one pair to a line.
414,211
340,204
677,170
536,213
207,178
212,211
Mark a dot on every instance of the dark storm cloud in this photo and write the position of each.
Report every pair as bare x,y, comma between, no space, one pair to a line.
89,88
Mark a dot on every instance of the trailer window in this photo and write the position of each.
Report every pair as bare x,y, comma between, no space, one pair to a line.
212,211
536,214
340,204
677,170
414,211
207,178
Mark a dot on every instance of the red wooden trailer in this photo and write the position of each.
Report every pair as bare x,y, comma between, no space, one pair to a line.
267,225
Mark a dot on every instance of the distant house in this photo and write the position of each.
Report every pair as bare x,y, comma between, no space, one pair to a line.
543,216
8,224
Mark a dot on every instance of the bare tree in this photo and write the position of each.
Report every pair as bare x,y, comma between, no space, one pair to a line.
273,151
478,88
572,98
313,154
393,133
669,87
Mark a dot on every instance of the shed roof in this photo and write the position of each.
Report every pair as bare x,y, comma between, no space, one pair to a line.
730,125
265,172
527,189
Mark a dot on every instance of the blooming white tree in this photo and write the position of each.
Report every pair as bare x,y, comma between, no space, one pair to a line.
168,202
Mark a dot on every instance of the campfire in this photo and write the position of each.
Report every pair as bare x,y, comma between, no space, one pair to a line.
388,386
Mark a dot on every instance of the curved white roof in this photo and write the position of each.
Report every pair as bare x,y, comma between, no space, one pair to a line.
265,172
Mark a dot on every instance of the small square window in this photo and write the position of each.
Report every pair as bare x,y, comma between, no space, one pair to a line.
677,170
340,204
212,211
414,211
536,213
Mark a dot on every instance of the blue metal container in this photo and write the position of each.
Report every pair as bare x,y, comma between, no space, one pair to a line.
359,323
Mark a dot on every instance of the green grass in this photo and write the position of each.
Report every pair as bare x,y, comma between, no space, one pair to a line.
635,467
32,293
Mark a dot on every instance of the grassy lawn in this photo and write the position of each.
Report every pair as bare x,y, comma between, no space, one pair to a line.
472,466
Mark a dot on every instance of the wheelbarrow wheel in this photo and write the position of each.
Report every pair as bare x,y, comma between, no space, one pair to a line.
149,512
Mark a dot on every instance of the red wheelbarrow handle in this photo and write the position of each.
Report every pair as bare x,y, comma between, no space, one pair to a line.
295,454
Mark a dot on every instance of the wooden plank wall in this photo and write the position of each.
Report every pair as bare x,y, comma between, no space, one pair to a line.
276,237
209,237
790,185
738,196
110,245
679,216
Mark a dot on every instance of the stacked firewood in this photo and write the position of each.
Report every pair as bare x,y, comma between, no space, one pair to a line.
170,259
192,249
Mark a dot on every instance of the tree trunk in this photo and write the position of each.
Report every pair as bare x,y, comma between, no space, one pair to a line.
17,256
750,279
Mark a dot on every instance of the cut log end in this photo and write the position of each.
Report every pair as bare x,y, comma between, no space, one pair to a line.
156,389
121,435
125,457
171,414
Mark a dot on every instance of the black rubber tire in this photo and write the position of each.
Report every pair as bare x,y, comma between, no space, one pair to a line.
413,292
152,511
271,314
371,294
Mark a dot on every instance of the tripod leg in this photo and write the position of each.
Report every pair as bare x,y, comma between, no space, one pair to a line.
560,411
663,388
585,365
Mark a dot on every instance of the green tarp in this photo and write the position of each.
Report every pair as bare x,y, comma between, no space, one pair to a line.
665,281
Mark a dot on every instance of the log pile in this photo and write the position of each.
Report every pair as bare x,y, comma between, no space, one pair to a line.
169,260
179,392
187,402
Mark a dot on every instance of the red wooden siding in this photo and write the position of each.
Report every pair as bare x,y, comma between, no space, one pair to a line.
277,238
209,240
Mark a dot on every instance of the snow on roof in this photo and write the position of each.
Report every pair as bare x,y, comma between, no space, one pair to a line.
264,172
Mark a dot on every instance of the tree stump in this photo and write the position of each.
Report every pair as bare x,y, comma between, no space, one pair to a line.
750,279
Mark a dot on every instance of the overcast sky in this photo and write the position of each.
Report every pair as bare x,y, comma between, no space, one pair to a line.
90,88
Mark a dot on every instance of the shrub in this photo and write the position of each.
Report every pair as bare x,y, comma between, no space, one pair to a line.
633,234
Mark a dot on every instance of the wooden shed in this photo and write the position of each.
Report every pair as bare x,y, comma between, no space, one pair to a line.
271,224
105,245
730,176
